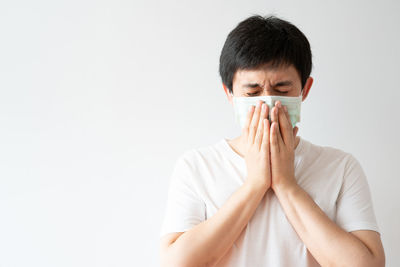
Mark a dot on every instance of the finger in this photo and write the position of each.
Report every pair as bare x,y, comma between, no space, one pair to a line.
249,115
287,114
274,143
286,128
260,128
275,116
265,141
295,130
254,123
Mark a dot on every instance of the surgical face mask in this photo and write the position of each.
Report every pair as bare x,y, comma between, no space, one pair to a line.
241,106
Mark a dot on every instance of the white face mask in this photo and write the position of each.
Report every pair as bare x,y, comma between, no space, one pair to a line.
241,106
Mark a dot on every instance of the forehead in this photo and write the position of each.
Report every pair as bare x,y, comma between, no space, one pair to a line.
266,74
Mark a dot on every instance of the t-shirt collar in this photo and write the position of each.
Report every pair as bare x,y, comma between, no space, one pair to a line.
240,160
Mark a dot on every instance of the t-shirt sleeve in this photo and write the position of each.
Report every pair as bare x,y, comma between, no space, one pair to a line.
354,208
184,207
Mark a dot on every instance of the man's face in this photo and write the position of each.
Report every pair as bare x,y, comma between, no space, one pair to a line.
284,81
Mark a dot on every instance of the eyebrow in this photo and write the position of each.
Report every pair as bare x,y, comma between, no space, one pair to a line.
283,83
252,85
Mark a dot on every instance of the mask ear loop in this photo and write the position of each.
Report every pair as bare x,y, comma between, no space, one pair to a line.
301,94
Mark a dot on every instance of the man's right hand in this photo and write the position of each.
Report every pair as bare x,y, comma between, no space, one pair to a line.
256,139
206,243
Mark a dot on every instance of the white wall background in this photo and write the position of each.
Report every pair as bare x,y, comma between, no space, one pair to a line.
99,98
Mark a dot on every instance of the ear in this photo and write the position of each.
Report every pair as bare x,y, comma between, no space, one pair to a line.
307,87
228,93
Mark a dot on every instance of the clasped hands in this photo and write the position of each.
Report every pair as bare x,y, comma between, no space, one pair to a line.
270,146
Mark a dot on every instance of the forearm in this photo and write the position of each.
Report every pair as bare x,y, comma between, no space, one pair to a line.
206,243
328,243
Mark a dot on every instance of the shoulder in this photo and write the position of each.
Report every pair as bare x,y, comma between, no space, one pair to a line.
342,163
199,155
330,154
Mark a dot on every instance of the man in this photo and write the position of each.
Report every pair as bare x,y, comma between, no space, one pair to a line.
268,197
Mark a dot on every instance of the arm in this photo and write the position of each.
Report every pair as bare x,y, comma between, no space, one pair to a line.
206,243
328,243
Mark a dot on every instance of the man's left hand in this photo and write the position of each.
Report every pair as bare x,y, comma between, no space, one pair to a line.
282,148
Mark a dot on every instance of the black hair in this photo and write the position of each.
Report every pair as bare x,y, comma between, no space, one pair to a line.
260,40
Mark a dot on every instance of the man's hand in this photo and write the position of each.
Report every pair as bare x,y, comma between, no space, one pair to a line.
256,136
282,146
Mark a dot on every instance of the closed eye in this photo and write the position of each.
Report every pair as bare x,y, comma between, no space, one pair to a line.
253,94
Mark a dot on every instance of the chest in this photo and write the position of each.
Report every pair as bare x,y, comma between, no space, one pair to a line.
321,188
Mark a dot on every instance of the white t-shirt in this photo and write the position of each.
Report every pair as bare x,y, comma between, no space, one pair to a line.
204,178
